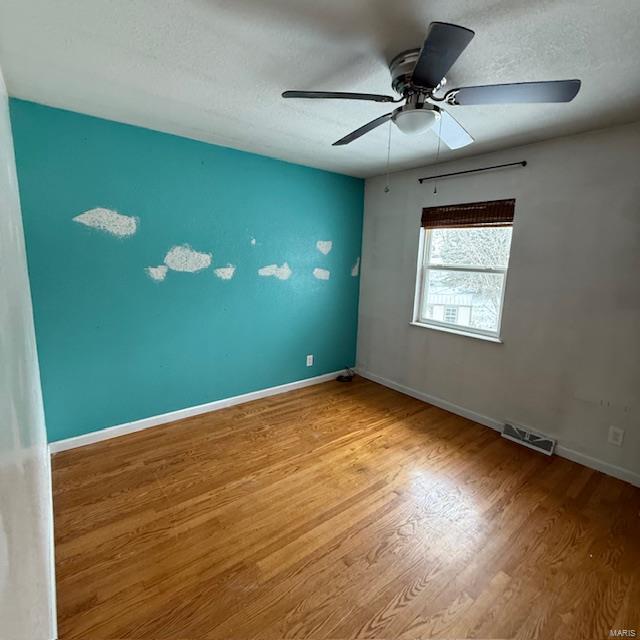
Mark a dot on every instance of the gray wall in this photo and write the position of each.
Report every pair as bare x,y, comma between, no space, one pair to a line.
27,607
570,362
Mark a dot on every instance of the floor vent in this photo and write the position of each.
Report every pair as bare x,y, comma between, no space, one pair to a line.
529,438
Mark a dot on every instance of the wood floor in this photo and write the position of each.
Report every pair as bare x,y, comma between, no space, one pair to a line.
339,511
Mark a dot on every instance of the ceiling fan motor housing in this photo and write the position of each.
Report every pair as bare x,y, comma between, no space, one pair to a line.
401,69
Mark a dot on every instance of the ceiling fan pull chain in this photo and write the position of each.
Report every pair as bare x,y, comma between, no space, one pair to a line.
387,188
435,184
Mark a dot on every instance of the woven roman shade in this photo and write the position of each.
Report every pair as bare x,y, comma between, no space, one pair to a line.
494,213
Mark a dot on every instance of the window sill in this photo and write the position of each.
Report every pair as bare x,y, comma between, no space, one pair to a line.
457,332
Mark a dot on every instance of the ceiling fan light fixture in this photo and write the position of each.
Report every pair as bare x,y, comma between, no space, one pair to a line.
412,121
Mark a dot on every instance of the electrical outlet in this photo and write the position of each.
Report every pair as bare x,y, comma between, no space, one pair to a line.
310,360
616,436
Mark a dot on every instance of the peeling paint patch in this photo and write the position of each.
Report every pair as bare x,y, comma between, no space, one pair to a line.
321,274
110,221
282,273
184,258
324,246
225,273
355,270
158,273
253,242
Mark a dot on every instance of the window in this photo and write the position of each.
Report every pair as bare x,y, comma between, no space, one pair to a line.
463,266
451,315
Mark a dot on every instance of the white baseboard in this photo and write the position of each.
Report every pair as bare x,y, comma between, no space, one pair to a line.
593,463
565,452
438,402
138,425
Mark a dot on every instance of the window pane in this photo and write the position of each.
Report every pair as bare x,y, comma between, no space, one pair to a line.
451,314
463,299
481,247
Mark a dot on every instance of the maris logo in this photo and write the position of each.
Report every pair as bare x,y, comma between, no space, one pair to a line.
622,633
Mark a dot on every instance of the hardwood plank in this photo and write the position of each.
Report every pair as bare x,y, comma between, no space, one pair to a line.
339,511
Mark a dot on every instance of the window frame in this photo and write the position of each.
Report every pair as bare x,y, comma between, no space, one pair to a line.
421,291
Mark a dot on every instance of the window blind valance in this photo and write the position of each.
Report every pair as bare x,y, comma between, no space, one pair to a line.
494,213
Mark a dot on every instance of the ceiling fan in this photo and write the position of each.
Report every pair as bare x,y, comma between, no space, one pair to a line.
416,76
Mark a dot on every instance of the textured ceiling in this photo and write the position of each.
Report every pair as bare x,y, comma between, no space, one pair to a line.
214,70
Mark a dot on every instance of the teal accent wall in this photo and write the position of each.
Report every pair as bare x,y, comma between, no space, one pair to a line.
115,345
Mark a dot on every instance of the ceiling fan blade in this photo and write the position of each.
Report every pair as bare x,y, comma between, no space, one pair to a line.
451,132
338,95
364,129
518,92
442,47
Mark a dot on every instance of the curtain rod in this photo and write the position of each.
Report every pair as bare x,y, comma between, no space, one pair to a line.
522,163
